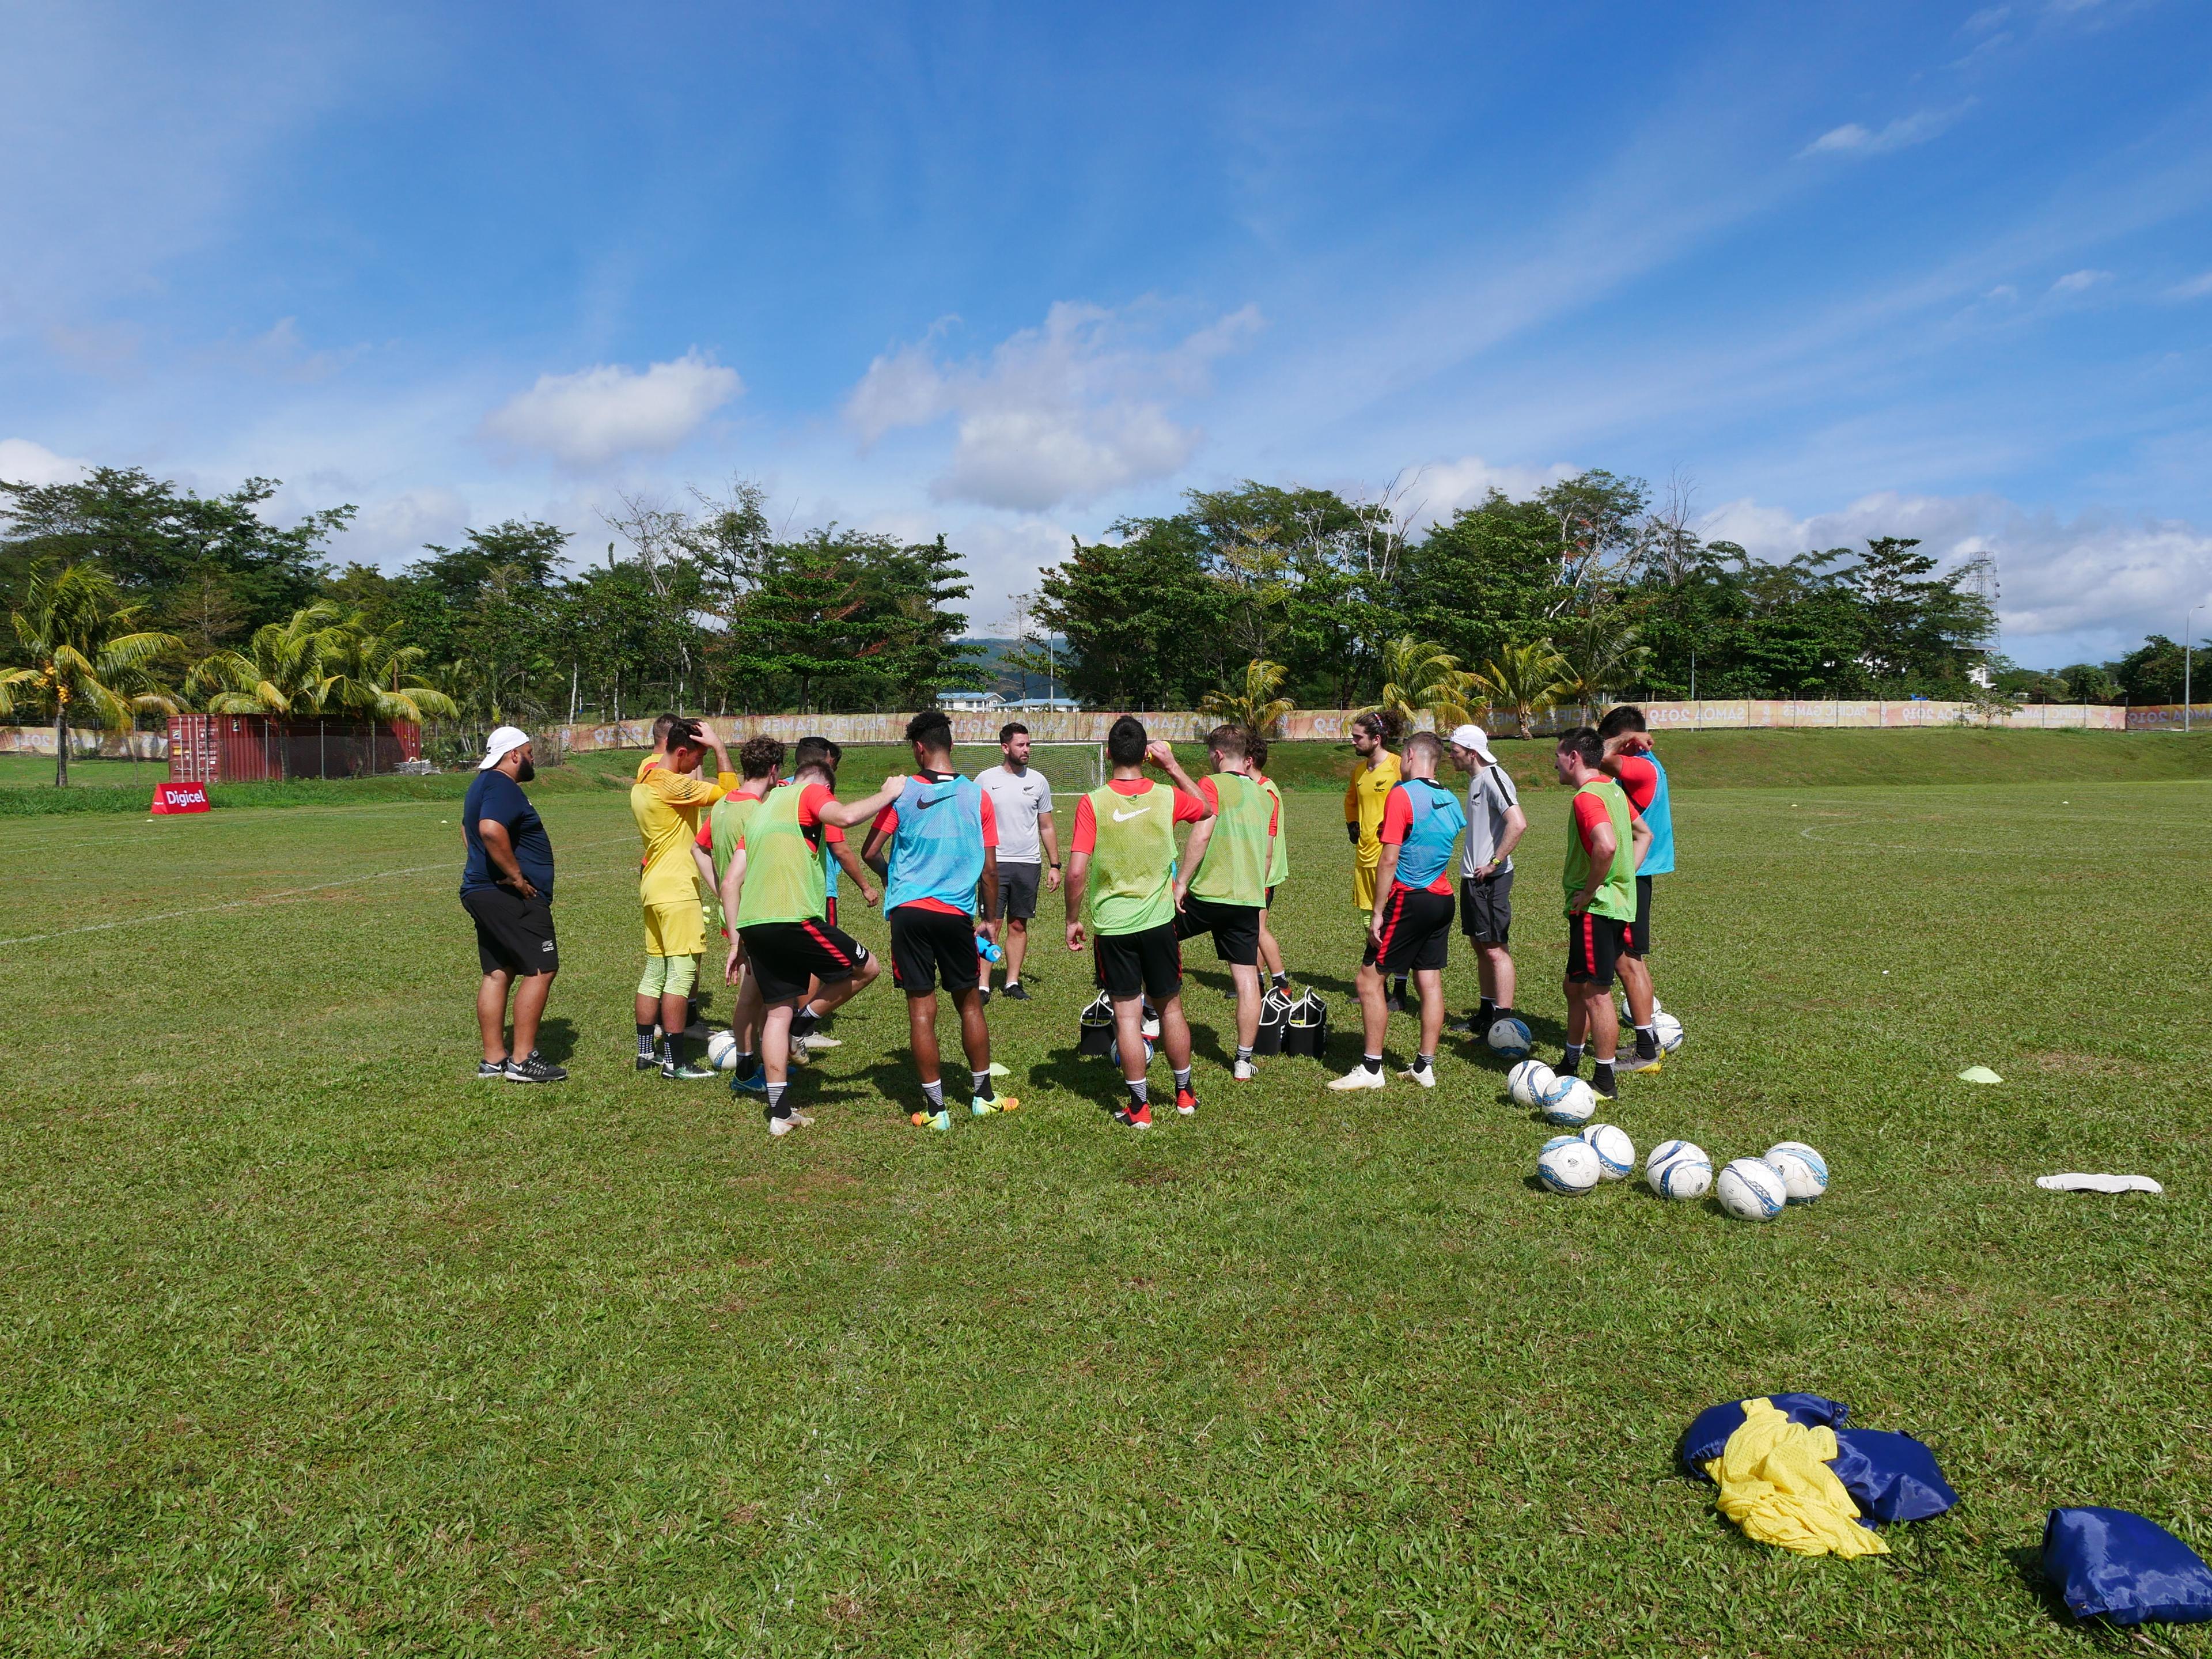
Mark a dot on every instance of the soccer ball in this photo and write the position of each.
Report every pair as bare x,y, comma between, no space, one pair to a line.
1668,1031
1616,1152
1678,1168
1749,1190
1114,1053
1568,1165
1527,1082
1569,1102
1804,1172
722,1052
1510,1038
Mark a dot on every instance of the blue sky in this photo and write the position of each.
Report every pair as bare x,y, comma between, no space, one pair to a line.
1012,273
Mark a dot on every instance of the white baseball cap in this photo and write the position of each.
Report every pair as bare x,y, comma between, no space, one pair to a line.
1472,736
503,742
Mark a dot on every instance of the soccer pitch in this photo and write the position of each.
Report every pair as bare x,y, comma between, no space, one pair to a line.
312,1343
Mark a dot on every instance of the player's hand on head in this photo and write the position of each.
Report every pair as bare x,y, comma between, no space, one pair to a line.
1160,753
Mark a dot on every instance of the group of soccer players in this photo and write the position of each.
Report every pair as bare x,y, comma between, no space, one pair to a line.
757,853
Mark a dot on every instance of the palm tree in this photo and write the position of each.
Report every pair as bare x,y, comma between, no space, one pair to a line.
1255,707
373,674
86,651
1524,678
1419,678
279,672
1601,657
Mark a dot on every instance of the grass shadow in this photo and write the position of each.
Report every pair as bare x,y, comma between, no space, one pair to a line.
557,1040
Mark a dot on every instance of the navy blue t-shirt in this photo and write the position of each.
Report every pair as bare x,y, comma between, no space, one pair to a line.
496,796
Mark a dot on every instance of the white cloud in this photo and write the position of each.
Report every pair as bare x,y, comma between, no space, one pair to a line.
1987,18
1442,488
596,414
391,532
23,461
1852,139
1068,412
2002,291
2078,282
2096,577
2195,289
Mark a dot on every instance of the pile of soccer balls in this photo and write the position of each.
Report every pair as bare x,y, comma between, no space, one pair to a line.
1749,1189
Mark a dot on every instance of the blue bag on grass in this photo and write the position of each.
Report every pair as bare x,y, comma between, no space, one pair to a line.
1890,1477
1707,1436
2112,1563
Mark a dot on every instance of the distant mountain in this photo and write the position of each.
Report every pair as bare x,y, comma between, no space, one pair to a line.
993,655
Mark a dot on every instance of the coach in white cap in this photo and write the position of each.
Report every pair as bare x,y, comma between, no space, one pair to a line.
1495,824
507,888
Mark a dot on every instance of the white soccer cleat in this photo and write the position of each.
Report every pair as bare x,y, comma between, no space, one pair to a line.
778,1127
816,1043
1426,1076
1244,1071
1357,1078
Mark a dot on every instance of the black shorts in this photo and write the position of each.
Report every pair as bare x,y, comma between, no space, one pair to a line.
515,935
1416,931
1149,963
1594,945
930,947
1485,908
784,955
1017,891
1270,904
1638,943
1235,927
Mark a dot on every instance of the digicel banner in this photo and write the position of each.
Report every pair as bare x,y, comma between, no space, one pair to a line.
180,798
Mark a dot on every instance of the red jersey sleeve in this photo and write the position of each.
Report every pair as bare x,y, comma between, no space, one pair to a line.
832,835
1275,818
1590,812
810,803
886,820
1086,828
706,835
1212,795
1640,779
990,820
1188,809
1397,819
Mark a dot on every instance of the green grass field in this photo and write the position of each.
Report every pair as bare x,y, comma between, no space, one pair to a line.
309,1343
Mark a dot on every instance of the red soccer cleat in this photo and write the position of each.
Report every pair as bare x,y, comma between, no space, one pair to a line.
1186,1102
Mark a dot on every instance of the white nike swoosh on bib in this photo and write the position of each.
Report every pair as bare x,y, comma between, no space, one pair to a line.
1120,817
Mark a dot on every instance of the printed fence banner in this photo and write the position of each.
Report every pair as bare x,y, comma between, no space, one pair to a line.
179,797
2168,717
981,729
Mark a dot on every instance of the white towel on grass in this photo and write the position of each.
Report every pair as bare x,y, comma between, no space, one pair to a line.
2098,1183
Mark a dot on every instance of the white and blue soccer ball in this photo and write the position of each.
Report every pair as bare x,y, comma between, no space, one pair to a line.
1668,1030
1569,1102
1114,1053
1568,1165
1678,1168
722,1052
1509,1037
1527,1082
1749,1190
1804,1172
1616,1152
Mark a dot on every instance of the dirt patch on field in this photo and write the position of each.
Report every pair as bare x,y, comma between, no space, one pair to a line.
2069,1065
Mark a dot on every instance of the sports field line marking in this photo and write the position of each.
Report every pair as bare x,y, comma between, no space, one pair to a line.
270,898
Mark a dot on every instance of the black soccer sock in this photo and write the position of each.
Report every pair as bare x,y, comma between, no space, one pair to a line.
1182,1078
1398,987
1243,1055
1571,1061
1371,1062
645,1042
1139,1091
804,1022
1485,1016
934,1094
775,1106
1421,1062
1282,981
1647,1043
982,1084
745,1063
1602,1076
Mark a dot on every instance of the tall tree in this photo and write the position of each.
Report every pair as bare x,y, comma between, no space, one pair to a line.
85,653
